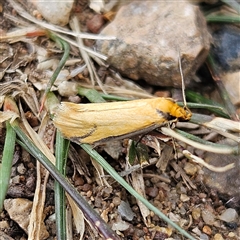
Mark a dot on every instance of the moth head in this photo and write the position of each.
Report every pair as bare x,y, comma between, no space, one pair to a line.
183,113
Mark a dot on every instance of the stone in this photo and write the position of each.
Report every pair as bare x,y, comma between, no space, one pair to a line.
230,81
226,48
206,229
120,225
226,183
208,217
19,210
150,35
226,53
218,236
196,213
125,211
229,215
190,169
56,12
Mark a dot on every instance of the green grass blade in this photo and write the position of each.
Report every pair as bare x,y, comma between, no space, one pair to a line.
205,103
5,167
59,193
222,18
91,94
62,62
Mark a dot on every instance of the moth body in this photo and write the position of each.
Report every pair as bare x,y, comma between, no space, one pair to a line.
97,122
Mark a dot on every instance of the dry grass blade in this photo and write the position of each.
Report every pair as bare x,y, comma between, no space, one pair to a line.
222,125
100,172
206,165
226,127
77,216
8,115
211,148
139,185
93,74
36,218
131,91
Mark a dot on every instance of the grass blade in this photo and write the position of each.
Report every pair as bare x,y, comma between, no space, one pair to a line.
5,167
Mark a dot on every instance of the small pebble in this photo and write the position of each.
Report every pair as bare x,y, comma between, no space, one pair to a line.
229,215
218,236
86,187
89,194
116,201
208,217
190,169
152,191
184,198
207,230
19,210
79,181
16,179
120,225
196,231
202,195
21,169
95,24
125,211
203,236
196,213
231,235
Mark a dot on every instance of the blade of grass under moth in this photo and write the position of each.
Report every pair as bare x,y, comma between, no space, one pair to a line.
62,62
114,97
6,165
91,94
199,143
221,88
205,103
95,155
88,211
61,153
96,97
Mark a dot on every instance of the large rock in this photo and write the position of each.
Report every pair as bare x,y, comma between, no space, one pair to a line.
227,184
149,36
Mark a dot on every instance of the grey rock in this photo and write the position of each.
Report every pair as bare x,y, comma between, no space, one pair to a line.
229,215
226,183
150,35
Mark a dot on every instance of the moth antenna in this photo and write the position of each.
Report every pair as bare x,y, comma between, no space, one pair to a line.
182,78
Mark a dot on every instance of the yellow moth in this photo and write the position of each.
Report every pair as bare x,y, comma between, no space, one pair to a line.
97,122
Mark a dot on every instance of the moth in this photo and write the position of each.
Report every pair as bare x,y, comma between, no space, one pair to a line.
95,123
